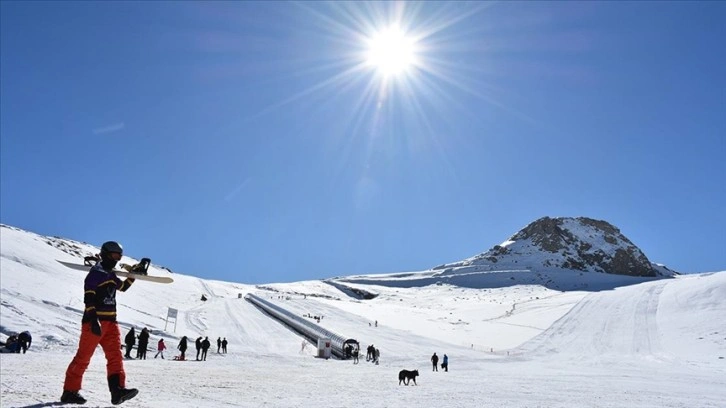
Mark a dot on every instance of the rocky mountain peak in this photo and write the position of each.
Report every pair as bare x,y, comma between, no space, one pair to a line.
580,243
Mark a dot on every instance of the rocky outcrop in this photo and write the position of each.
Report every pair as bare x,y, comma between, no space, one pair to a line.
582,244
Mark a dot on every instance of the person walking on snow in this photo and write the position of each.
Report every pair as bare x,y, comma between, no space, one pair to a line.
445,363
143,344
224,345
198,343
219,344
182,348
99,326
160,347
130,340
435,361
205,347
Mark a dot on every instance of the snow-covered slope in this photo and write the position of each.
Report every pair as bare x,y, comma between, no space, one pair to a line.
650,343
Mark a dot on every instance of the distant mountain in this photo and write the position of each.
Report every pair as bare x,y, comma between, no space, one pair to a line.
581,243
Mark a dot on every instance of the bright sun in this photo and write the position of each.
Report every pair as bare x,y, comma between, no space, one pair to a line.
391,52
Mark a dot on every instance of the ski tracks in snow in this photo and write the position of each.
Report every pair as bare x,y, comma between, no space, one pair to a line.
615,322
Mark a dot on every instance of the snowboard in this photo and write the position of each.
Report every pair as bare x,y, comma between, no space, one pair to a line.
124,273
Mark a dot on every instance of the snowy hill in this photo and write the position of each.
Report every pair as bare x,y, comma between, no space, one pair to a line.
518,342
582,244
558,253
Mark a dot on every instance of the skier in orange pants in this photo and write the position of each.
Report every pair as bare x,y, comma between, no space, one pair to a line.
99,326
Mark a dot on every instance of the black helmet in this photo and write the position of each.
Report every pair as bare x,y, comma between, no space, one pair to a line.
110,246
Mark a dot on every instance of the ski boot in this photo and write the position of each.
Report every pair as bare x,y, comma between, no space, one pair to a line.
118,393
141,268
72,397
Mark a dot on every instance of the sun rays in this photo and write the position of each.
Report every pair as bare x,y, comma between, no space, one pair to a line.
382,52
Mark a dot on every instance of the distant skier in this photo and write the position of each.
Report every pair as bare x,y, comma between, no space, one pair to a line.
99,326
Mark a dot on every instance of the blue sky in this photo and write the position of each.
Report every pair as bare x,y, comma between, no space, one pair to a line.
253,141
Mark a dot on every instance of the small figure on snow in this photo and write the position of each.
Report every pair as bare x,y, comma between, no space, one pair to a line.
160,347
205,347
143,344
198,344
183,348
435,362
24,341
130,340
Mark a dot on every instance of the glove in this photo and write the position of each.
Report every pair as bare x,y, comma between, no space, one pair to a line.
96,327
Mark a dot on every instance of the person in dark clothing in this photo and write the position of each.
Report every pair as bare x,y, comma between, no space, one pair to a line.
219,344
130,340
12,344
99,326
435,361
143,344
205,347
445,363
224,345
198,343
182,347
24,340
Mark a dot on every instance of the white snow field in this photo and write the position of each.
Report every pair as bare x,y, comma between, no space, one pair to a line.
643,343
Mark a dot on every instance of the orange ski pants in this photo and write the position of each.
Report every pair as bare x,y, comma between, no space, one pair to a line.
110,341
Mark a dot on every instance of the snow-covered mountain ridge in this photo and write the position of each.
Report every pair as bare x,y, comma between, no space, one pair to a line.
566,243
517,329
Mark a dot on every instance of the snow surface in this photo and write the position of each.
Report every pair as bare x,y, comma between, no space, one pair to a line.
513,339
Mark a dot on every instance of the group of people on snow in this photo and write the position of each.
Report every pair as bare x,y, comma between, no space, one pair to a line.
202,347
141,348
444,362
372,354
99,326
16,343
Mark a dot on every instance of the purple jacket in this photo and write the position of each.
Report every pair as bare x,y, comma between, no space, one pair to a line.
100,294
